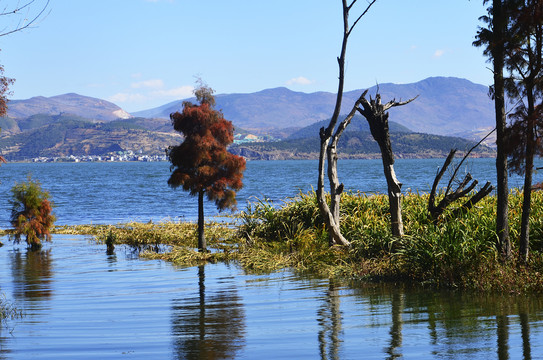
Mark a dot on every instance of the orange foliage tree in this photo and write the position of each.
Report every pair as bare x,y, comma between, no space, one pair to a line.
31,213
201,164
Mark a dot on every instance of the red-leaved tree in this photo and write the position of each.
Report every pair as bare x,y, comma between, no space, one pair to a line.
31,213
201,164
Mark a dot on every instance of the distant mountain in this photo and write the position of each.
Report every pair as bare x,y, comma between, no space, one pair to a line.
361,145
358,123
64,135
445,106
79,105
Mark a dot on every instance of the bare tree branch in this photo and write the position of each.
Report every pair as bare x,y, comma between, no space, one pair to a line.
25,23
361,15
461,190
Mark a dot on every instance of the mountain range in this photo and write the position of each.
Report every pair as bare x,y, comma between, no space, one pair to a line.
73,124
445,106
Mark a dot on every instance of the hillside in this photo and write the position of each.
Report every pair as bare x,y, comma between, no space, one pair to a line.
65,135
445,106
360,145
72,124
75,104
358,123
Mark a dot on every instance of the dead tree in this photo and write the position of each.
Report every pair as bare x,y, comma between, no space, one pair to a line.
462,190
376,114
329,140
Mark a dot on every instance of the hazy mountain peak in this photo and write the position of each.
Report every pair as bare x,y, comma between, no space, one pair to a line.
71,103
446,105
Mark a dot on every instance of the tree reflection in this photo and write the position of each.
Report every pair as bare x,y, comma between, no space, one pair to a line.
396,327
209,326
329,319
525,331
32,274
502,322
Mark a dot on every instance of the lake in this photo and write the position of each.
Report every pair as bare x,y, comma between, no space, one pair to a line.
81,303
101,193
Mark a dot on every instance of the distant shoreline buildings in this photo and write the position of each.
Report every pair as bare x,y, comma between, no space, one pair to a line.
119,157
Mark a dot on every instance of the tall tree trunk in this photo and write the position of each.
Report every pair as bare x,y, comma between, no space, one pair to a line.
201,237
331,213
376,114
394,199
524,241
499,21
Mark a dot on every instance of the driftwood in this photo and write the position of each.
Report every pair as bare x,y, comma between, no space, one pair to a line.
462,190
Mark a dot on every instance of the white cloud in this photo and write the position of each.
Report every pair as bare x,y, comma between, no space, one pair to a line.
439,53
300,80
126,98
152,84
179,92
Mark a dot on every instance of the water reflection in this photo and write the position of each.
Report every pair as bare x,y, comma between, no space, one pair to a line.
209,326
457,323
32,273
329,319
147,309
525,331
394,350
502,327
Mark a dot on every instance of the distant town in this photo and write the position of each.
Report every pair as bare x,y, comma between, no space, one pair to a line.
114,157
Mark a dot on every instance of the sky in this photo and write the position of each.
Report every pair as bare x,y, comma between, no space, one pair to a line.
141,54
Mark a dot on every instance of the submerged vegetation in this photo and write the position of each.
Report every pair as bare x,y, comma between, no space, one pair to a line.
456,252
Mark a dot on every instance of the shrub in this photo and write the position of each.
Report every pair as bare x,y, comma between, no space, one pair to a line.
31,213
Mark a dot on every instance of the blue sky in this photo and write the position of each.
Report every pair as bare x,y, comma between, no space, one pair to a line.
141,54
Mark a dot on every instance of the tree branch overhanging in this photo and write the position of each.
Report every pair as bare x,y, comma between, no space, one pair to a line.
25,22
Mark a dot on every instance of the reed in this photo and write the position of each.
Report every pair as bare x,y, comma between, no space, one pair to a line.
8,311
456,252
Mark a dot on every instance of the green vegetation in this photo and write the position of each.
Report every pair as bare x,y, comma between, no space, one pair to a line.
31,213
460,253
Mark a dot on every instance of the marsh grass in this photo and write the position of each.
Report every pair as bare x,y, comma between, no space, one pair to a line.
457,252
8,311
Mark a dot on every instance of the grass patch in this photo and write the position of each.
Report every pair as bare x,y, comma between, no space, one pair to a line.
455,253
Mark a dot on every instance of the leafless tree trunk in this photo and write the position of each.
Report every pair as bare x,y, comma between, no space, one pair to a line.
376,114
328,142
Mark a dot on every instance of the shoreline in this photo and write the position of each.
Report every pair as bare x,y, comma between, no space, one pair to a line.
455,254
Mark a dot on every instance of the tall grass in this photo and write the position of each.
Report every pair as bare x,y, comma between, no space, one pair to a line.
456,252
452,253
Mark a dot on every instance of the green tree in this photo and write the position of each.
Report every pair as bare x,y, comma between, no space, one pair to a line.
31,213
201,164
525,84
494,39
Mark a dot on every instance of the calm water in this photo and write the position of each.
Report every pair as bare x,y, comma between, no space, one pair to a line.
83,304
121,192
